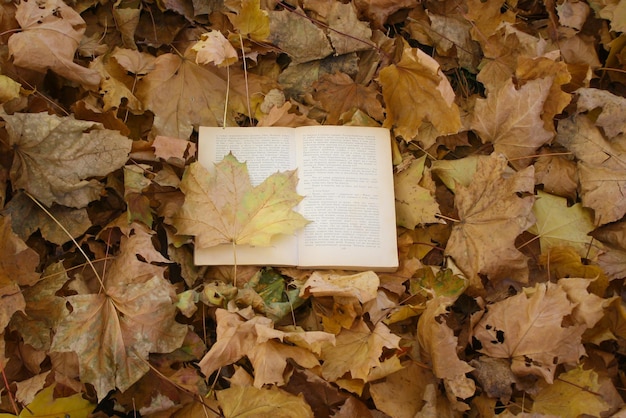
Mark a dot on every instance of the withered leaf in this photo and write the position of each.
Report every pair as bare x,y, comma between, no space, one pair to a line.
113,331
491,203
56,157
416,91
511,119
51,34
17,268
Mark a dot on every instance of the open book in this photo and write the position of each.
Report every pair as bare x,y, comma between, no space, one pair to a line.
346,177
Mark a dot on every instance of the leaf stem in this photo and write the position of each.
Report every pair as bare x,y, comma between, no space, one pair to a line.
245,75
47,212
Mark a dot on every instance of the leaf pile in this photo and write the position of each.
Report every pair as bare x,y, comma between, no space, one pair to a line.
509,144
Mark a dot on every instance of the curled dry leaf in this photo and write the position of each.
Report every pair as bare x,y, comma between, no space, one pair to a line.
56,157
51,34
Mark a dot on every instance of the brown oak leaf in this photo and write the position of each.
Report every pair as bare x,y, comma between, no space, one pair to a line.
491,203
51,33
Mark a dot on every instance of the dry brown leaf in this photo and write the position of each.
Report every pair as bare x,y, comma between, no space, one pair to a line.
601,167
115,328
378,11
51,33
510,118
611,117
439,347
184,95
491,203
297,36
416,91
44,144
528,329
257,339
43,310
357,351
363,286
17,268
338,94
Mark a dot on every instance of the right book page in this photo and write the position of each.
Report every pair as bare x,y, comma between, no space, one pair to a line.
346,176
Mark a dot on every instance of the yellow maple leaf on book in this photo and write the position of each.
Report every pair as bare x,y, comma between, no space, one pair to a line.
224,207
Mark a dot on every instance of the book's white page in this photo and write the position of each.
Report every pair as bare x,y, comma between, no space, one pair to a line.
347,180
265,151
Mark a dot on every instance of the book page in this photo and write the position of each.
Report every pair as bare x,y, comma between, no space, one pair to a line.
347,180
265,151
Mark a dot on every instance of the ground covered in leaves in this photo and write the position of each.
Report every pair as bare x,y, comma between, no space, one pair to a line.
509,143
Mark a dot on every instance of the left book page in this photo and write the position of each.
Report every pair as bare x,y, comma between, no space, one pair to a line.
265,151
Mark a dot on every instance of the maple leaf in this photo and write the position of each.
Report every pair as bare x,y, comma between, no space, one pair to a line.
401,394
27,217
557,99
251,20
51,33
491,203
535,340
575,393
43,310
416,91
45,144
560,225
356,350
338,94
213,47
257,339
439,346
225,208
184,95
511,119
17,268
347,33
113,331
415,204
612,108
296,35
239,401
601,167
